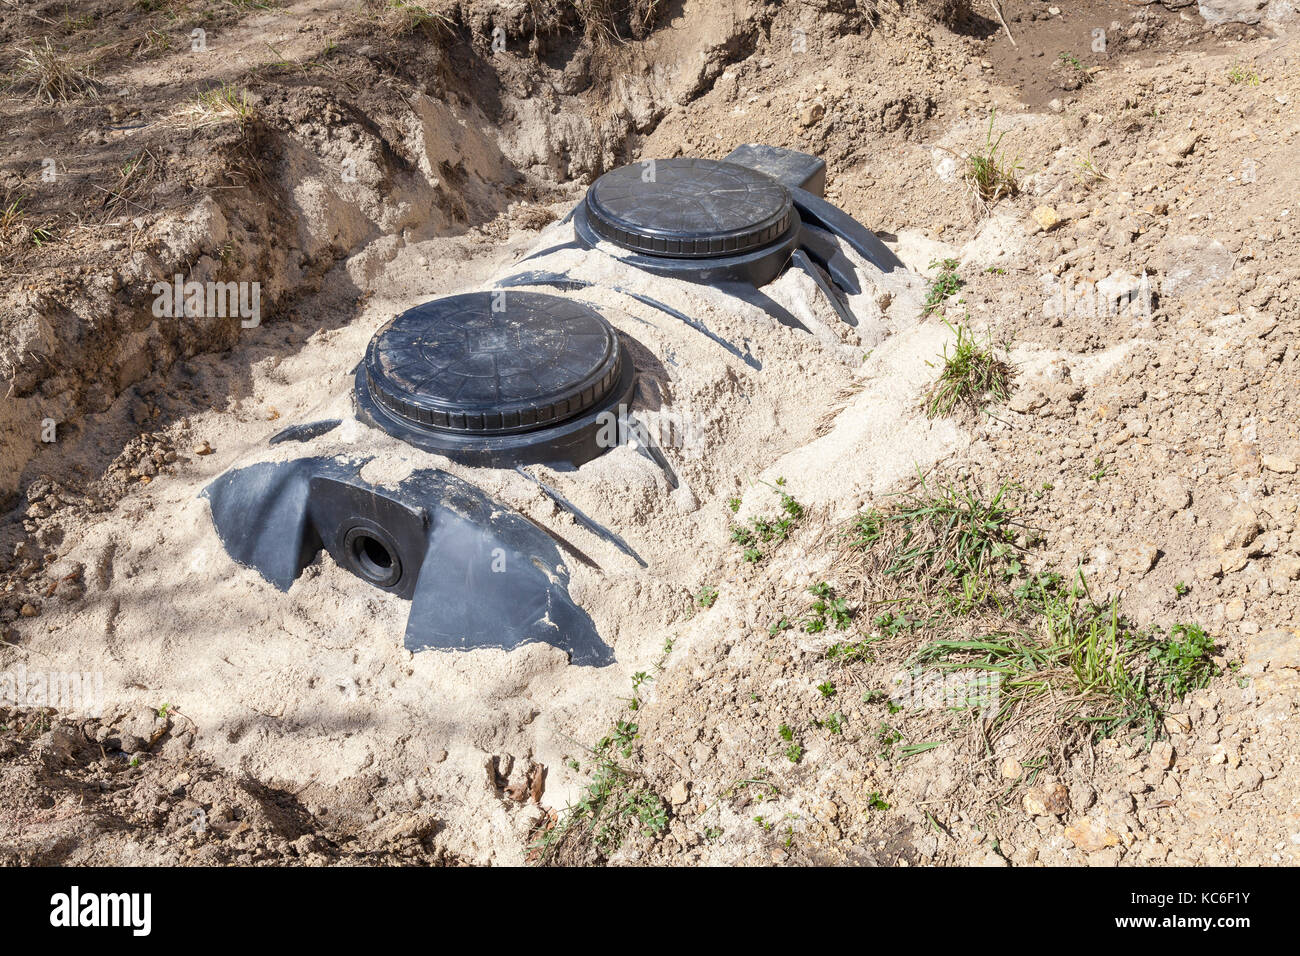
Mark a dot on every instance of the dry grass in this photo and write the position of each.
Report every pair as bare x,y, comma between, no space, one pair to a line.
134,177
51,76
11,216
601,18
402,18
17,233
221,104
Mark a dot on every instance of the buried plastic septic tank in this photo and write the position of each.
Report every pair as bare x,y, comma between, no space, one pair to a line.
530,372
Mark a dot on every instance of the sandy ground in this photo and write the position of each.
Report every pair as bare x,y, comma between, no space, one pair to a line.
1182,413
323,692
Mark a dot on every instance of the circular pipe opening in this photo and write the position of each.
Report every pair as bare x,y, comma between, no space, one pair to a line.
372,557
372,554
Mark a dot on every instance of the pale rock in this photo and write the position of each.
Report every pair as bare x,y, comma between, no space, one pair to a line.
1244,527
1177,724
1091,835
1245,457
1162,755
1246,779
1233,561
1172,493
1052,800
1141,558
1046,217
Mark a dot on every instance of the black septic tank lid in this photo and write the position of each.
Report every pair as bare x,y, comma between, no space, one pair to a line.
688,208
493,362
498,377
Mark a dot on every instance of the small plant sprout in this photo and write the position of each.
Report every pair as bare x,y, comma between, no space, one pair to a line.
1241,75
1074,65
946,283
826,610
1088,173
768,532
833,722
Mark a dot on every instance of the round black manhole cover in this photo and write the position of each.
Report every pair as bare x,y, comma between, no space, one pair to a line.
493,363
688,208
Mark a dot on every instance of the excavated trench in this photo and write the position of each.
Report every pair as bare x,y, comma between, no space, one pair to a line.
475,513
468,479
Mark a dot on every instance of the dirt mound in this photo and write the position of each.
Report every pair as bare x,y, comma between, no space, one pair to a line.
131,791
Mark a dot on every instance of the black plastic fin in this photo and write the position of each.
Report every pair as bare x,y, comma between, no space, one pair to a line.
492,579
579,516
821,213
559,247
647,446
826,252
801,260
566,545
696,324
478,574
558,280
260,513
306,431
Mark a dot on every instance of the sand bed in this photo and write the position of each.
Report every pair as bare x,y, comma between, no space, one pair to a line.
312,688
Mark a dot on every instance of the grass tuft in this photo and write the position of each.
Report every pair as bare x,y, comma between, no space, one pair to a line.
989,173
1081,659
405,17
972,375
222,104
600,18
944,574
53,76
1241,75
